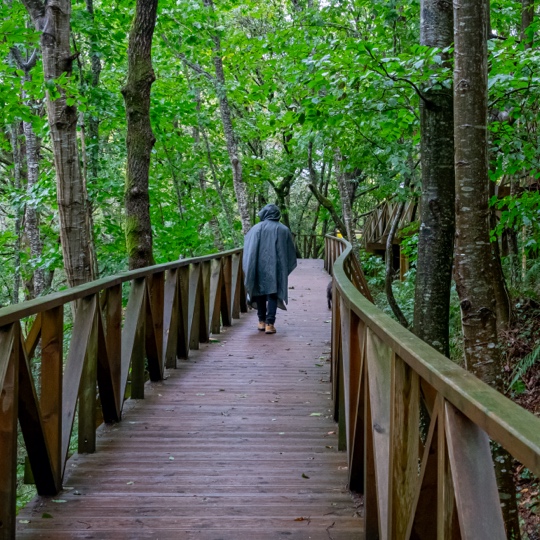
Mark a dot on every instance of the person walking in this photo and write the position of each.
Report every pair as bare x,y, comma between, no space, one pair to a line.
269,258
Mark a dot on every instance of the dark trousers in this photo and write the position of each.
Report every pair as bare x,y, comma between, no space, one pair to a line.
266,308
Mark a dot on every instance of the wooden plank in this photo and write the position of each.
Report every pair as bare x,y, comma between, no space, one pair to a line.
112,317
47,479
33,337
345,373
133,333
335,344
153,338
243,293
447,525
108,376
73,370
371,511
183,310
52,358
424,505
404,437
357,461
194,309
473,475
235,285
170,319
226,300
9,377
157,293
205,306
86,432
379,362
216,282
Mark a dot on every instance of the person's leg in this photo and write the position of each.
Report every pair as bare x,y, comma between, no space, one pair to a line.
261,307
272,308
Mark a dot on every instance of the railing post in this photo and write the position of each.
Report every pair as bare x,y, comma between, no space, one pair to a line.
9,380
87,394
52,333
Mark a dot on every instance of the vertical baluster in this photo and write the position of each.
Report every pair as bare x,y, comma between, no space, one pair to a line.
404,437
194,316
226,300
88,394
9,378
170,319
183,310
113,339
216,283
52,340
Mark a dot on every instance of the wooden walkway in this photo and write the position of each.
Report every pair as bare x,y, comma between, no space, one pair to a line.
237,444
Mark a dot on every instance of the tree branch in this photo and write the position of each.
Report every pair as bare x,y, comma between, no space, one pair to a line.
327,203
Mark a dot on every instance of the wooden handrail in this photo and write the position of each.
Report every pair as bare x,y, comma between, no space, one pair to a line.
171,308
416,426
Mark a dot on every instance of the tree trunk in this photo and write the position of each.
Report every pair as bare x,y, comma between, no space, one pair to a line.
389,256
17,182
474,262
230,135
437,205
527,17
32,215
502,296
140,139
53,20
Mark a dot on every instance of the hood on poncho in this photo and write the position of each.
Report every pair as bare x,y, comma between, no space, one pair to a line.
271,212
269,257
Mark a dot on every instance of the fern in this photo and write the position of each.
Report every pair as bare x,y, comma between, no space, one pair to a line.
524,365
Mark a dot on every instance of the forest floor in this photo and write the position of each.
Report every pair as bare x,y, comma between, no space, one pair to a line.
520,341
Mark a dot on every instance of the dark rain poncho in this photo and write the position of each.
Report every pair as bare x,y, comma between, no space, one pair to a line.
269,257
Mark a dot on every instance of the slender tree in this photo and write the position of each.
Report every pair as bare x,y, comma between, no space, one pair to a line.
52,19
473,272
140,139
437,207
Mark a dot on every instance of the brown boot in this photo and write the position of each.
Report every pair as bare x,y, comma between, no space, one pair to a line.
270,329
261,326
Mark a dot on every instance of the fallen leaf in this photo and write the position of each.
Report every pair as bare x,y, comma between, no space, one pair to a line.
281,433
59,501
46,516
200,394
331,433
24,521
304,475
328,446
171,458
130,483
315,414
300,519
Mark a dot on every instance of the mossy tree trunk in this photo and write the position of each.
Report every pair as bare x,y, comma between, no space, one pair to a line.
140,139
474,262
52,19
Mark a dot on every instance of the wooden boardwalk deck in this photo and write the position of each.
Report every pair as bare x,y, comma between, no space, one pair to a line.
237,444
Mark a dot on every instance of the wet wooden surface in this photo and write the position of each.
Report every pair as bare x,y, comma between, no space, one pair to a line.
237,443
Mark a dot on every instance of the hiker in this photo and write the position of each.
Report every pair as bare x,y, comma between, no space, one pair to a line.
269,258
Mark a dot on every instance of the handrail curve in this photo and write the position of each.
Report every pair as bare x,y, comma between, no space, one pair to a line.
113,349
392,390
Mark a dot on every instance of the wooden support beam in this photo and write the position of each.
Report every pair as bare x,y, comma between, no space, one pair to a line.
9,382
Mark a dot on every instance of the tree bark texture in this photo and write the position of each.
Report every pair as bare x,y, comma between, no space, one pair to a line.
18,156
437,203
230,136
53,21
473,262
32,215
527,17
389,255
140,139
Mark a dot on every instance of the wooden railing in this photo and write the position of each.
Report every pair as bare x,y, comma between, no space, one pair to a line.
171,308
416,426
